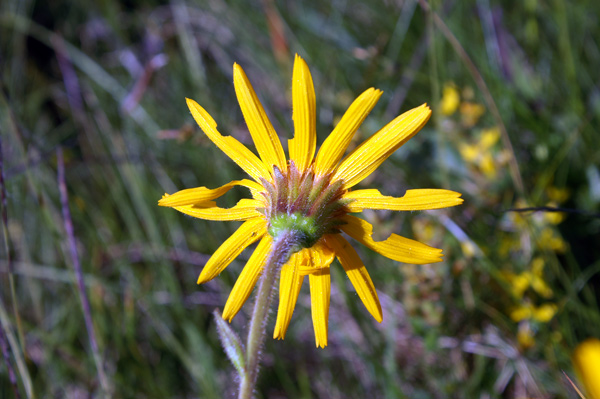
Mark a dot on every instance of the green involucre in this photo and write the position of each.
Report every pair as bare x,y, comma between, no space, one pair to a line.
306,227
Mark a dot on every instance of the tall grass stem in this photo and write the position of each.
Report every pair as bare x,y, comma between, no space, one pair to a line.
513,164
85,303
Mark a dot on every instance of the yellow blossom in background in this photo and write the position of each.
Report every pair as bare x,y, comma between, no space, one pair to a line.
542,314
586,359
489,137
557,195
470,113
480,154
468,248
546,235
525,336
517,219
521,313
469,152
450,99
519,283
534,278
487,166
550,239
424,229
554,217
309,197
545,312
420,292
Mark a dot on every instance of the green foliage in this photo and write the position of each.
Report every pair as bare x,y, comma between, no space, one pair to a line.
106,82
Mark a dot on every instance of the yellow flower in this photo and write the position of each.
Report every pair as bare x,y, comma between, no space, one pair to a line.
487,166
521,313
554,217
469,152
586,359
550,239
450,99
545,313
489,137
471,112
542,314
556,194
468,248
525,336
534,279
310,196
481,154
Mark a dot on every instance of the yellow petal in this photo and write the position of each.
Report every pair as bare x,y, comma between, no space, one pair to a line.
450,100
260,127
413,200
230,146
537,267
246,234
315,258
302,146
545,312
540,286
521,313
398,248
469,152
586,359
320,286
367,157
247,279
245,209
489,137
289,289
335,144
357,273
197,195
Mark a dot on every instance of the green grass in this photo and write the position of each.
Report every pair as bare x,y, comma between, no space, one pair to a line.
71,78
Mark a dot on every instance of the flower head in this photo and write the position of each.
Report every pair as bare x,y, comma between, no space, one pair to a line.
310,196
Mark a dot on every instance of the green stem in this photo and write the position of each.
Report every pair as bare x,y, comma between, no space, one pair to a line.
283,246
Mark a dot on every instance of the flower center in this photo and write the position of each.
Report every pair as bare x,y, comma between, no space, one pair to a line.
307,205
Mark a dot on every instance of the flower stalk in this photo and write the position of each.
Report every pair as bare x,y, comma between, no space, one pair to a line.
284,245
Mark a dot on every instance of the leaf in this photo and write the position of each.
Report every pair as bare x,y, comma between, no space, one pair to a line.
231,343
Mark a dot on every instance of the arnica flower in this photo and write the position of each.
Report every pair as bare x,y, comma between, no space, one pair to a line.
310,196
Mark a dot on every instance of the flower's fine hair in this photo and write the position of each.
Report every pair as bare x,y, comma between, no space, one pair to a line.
310,196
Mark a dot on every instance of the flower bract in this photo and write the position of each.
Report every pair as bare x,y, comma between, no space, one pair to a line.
311,195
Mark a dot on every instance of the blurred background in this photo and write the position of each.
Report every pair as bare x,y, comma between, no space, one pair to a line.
99,88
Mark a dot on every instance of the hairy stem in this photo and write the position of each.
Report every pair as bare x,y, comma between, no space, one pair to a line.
283,246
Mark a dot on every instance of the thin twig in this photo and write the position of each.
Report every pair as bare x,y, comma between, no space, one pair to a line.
574,386
6,354
11,278
87,314
19,360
